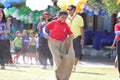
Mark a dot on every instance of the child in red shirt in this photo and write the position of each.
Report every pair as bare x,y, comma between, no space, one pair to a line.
59,28
59,39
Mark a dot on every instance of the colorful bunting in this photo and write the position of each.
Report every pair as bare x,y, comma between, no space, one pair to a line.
63,4
118,1
7,3
25,15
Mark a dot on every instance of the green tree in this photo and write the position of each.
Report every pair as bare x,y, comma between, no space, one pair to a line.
109,5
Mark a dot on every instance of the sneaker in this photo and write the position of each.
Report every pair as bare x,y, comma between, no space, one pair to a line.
74,68
31,63
16,62
2,67
37,63
12,51
44,67
25,63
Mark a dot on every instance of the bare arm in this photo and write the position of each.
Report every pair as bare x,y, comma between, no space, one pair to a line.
39,26
114,42
13,35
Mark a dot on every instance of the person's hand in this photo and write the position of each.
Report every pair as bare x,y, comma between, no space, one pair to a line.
82,42
41,18
116,63
71,36
46,36
112,46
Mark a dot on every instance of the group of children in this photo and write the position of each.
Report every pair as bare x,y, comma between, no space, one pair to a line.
26,44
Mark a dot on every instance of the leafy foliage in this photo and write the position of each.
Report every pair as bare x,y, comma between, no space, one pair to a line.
109,5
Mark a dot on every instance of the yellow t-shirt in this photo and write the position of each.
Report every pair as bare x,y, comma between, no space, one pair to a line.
75,22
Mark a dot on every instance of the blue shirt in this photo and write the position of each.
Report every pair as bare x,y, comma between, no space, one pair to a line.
41,30
2,27
25,40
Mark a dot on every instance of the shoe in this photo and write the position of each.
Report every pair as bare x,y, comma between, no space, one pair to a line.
119,78
25,63
12,51
74,68
44,67
16,62
31,63
37,63
2,67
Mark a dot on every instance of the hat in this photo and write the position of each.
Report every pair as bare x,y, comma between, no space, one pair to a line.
45,13
70,7
118,15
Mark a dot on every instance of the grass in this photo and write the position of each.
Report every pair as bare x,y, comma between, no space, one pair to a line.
36,73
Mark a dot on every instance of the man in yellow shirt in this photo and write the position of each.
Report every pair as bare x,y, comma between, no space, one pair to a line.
76,24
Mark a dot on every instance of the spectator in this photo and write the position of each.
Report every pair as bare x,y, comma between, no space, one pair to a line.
117,41
11,35
18,45
25,44
32,46
5,55
76,25
44,52
37,49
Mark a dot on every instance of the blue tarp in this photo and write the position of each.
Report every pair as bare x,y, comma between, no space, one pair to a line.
98,38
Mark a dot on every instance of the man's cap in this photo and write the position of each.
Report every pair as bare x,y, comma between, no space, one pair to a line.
45,13
118,15
70,7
